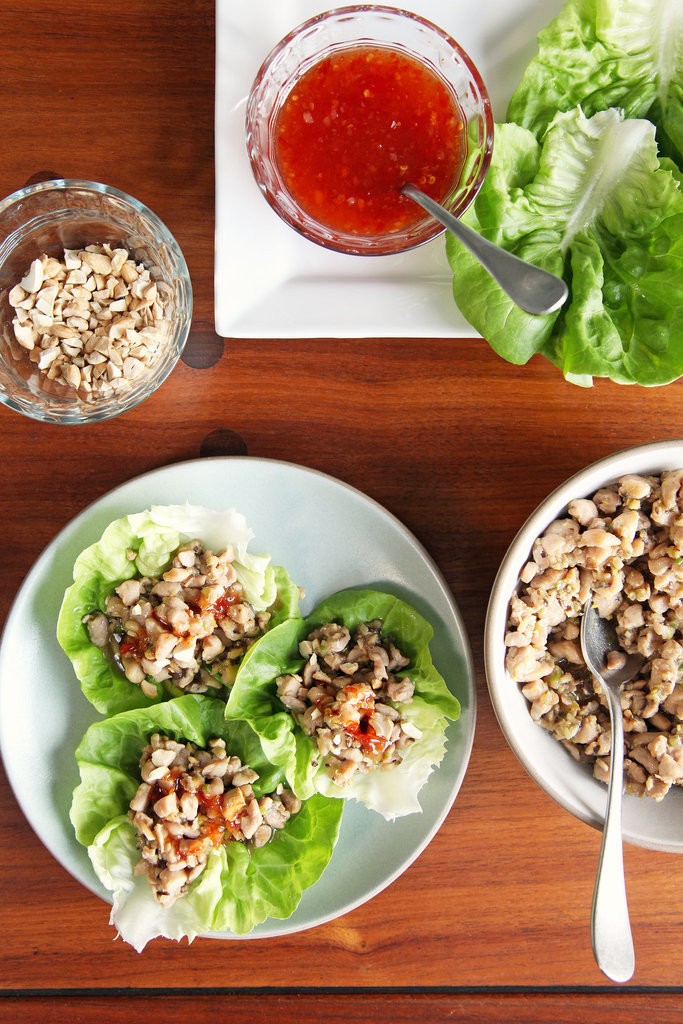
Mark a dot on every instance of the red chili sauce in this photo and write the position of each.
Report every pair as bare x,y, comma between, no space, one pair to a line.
369,741
134,646
358,126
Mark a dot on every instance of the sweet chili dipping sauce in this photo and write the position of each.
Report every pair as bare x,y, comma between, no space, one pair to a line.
359,125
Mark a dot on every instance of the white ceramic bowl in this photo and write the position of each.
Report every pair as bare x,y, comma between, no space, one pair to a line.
658,826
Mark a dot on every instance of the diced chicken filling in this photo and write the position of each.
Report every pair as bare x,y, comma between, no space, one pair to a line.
623,548
347,698
190,626
192,800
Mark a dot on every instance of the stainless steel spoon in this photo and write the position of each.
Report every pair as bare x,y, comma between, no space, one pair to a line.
531,288
610,926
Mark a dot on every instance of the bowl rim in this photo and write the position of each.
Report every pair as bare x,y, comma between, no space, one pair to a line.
62,184
428,228
650,458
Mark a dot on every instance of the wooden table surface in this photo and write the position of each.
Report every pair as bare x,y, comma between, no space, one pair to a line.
492,921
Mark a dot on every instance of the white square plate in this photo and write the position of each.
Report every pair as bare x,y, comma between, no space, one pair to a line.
270,282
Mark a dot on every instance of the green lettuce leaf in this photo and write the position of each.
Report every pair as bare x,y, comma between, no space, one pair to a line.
608,53
143,544
253,697
593,203
238,888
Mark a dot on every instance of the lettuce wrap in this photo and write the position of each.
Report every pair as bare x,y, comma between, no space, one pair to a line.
142,544
238,888
392,792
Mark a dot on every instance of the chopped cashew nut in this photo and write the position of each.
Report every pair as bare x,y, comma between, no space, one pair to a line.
93,322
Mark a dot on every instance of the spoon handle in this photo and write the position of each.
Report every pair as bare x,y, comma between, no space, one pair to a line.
610,926
533,289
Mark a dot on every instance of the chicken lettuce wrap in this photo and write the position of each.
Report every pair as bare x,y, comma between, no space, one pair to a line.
190,827
348,701
167,602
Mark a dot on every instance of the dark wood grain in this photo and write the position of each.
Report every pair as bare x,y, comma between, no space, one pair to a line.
340,1008
456,443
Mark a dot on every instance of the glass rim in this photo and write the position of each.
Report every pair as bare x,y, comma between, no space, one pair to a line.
394,13
58,185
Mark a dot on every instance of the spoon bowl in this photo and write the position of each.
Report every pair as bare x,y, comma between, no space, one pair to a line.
533,289
610,927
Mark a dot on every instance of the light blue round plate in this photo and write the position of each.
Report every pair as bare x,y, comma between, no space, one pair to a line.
328,536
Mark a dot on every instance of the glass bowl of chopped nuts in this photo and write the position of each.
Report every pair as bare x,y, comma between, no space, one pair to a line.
95,301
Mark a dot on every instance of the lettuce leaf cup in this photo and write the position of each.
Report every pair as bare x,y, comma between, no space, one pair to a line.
348,701
586,181
600,54
202,793
167,602
592,201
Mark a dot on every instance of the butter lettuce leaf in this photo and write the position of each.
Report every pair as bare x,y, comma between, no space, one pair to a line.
239,888
143,543
592,202
253,698
608,53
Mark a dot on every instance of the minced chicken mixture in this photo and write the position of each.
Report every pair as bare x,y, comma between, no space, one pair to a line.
623,548
344,698
191,626
192,800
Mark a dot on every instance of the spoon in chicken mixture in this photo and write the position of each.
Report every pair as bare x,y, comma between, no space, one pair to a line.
611,667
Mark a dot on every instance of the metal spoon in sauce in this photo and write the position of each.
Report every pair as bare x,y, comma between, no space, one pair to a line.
610,926
531,288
